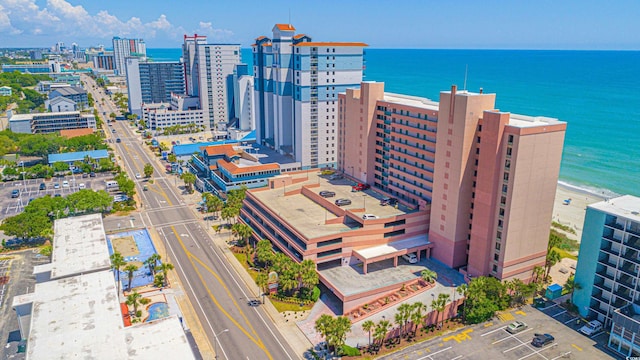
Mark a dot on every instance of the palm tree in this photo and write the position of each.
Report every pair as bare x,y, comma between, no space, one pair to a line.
429,276
261,280
416,315
571,285
307,275
368,326
130,269
463,290
552,258
189,179
381,331
323,326
402,316
164,267
117,261
340,327
133,299
152,262
439,305
264,252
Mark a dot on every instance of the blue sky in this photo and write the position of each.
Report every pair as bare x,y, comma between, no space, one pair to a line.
469,24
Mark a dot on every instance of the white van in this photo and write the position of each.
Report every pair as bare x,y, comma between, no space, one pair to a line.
111,184
369,217
411,258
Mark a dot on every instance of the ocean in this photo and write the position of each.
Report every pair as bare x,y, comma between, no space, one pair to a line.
596,92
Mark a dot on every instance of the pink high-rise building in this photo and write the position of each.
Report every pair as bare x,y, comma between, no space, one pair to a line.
488,177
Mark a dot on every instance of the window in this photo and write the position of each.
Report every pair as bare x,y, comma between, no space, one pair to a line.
510,139
506,176
509,150
498,246
496,257
495,268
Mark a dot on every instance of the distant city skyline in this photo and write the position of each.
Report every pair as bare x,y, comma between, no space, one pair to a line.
490,24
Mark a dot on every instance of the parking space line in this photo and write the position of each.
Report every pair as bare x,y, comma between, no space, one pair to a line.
537,352
515,347
562,355
560,313
568,321
577,347
548,307
437,352
457,357
492,331
511,336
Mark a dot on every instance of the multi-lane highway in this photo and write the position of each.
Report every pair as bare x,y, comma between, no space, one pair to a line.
215,290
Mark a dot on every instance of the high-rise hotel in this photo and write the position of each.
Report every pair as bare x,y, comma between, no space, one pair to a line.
297,82
124,48
207,67
487,177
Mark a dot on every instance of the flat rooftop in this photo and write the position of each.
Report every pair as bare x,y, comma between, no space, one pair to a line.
308,217
350,280
79,317
415,101
627,206
524,121
79,246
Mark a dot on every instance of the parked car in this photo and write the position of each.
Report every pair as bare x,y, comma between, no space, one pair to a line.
43,186
411,258
335,177
85,175
369,217
388,201
591,328
56,186
342,202
540,340
360,187
92,174
516,327
118,140
65,183
327,194
15,193
81,186
138,176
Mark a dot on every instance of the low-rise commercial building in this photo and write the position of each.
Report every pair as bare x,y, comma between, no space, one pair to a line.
60,104
5,91
226,167
181,111
40,123
71,157
74,310
75,93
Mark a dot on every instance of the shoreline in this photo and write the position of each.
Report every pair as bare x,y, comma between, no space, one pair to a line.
573,214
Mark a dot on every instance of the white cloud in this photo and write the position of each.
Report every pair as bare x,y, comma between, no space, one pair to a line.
64,20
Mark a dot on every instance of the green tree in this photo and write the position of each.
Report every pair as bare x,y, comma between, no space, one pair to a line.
28,225
125,184
264,252
172,158
152,262
189,179
307,274
402,315
261,280
134,299
368,326
130,269
148,170
439,304
117,261
86,200
214,203
429,276
164,267
571,285
463,290
416,316
60,166
485,296
380,333
553,257
334,330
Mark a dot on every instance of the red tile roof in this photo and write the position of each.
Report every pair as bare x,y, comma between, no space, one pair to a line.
227,150
235,169
299,36
71,133
331,44
285,27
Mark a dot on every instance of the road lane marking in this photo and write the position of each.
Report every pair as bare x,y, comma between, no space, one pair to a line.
577,347
460,337
492,331
488,324
193,259
437,352
520,312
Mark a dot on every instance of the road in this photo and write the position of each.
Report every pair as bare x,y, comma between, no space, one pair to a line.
215,290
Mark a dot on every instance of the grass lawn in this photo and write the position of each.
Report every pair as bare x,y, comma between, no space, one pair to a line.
565,254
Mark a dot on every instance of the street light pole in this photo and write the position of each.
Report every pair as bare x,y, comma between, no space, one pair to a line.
215,343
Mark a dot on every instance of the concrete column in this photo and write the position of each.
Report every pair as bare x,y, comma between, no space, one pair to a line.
395,261
364,266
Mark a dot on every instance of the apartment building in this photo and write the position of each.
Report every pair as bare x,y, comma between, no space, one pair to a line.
152,82
40,123
124,48
207,67
488,176
180,111
297,82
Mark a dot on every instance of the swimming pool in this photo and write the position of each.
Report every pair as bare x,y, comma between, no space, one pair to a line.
157,311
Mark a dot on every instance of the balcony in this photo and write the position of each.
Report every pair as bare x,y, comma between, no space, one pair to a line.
633,230
612,238
614,225
629,268
601,284
608,249
627,281
598,296
633,242
631,255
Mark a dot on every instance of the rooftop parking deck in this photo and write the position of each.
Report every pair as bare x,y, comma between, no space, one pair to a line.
312,215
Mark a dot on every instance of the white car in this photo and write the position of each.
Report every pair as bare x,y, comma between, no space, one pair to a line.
369,217
65,184
138,176
81,186
411,258
591,328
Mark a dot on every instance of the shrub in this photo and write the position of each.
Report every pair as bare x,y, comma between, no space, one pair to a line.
349,351
315,295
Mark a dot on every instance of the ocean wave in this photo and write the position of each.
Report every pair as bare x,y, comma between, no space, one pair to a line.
592,190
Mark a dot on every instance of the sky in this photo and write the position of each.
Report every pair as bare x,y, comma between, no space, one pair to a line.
463,24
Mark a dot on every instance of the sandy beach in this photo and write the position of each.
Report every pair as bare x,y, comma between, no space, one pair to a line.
573,213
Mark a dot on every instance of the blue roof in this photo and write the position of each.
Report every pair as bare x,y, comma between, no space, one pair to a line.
554,287
250,136
188,149
77,156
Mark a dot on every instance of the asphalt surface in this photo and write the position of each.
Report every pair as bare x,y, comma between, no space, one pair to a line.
217,293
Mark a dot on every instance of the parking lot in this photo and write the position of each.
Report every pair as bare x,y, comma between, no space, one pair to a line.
30,189
491,340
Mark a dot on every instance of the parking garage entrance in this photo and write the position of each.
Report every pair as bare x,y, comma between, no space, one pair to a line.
418,245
